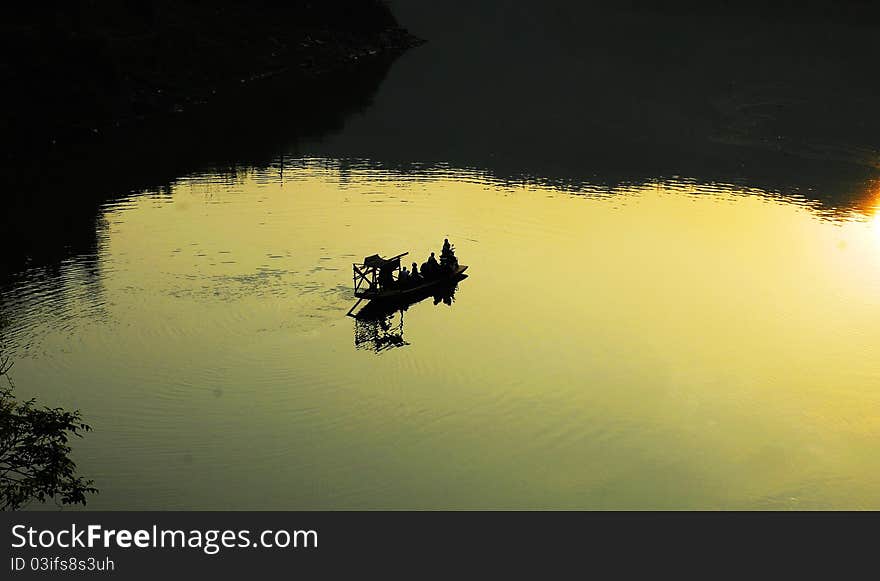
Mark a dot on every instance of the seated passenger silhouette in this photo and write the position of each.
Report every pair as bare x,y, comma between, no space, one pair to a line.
433,267
414,276
403,279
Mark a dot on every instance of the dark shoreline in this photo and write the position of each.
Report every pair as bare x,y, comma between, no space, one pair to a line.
77,72
124,143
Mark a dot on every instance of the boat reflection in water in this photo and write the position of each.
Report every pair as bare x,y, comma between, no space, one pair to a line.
390,289
378,325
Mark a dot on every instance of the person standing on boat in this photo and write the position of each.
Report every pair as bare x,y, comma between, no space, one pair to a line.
447,256
403,278
386,278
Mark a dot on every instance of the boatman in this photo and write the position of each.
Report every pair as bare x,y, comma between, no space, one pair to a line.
447,248
386,279
447,256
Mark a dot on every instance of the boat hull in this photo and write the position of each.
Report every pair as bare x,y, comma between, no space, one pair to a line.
407,294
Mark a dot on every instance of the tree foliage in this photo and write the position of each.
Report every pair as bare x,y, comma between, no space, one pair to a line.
35,461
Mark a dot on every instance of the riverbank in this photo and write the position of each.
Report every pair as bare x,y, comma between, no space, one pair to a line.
76,71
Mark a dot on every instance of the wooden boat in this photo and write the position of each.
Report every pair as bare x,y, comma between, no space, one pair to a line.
425,287
377,280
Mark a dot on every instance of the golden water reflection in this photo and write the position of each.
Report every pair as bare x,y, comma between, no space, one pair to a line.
668,345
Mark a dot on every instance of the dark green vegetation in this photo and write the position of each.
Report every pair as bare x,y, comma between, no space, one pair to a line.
74,69
35,461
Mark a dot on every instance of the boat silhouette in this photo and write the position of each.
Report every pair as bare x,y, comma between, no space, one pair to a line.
388,294
378,280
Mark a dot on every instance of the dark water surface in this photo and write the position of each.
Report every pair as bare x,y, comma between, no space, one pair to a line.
665,310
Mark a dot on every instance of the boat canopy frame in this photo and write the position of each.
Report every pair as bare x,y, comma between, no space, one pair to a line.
367,272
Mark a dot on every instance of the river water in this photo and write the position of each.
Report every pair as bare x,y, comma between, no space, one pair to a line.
669,345
674,341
